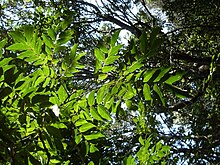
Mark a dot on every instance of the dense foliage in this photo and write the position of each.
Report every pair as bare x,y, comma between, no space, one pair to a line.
73,93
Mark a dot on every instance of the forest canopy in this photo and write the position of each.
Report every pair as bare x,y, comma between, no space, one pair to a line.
109,82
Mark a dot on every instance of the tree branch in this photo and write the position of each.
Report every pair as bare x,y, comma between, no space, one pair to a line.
130,28
188,58
201,91
214,27
107,17
148,12
183,104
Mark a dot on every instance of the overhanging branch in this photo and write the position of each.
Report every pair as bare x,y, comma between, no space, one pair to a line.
106,17
188,58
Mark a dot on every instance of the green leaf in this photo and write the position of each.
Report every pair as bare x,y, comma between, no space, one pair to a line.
86,115
102,76
40,98
39,80
38,47
39,60
83,102
28,33
65,36
138,75
5,92
147,92
73,51
156,30
46,70
54,161
91,98
158,146
111,59
178,91
135,65
94,136
149,74
95,114
115,107
52,34
48,41
26,54
18,46
166,149
107,97
128,103
49,53
80,122
79,55
107,69
53,81
86,127
54,132
64,66
98,66
114,37
52,73
156,44
33,160
49,140
59,125
78,138
93,148
103,113
2,44
114,50
109,103
100,94
130,161
62,94
5,61
163,71
28,90
128,95
91,163
133,46
65,23
34,58
18,36
34,39
115,88
46,82
24,84
157,90
7,67
178,76
141,140
122,92
99,54
103,47
143,43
